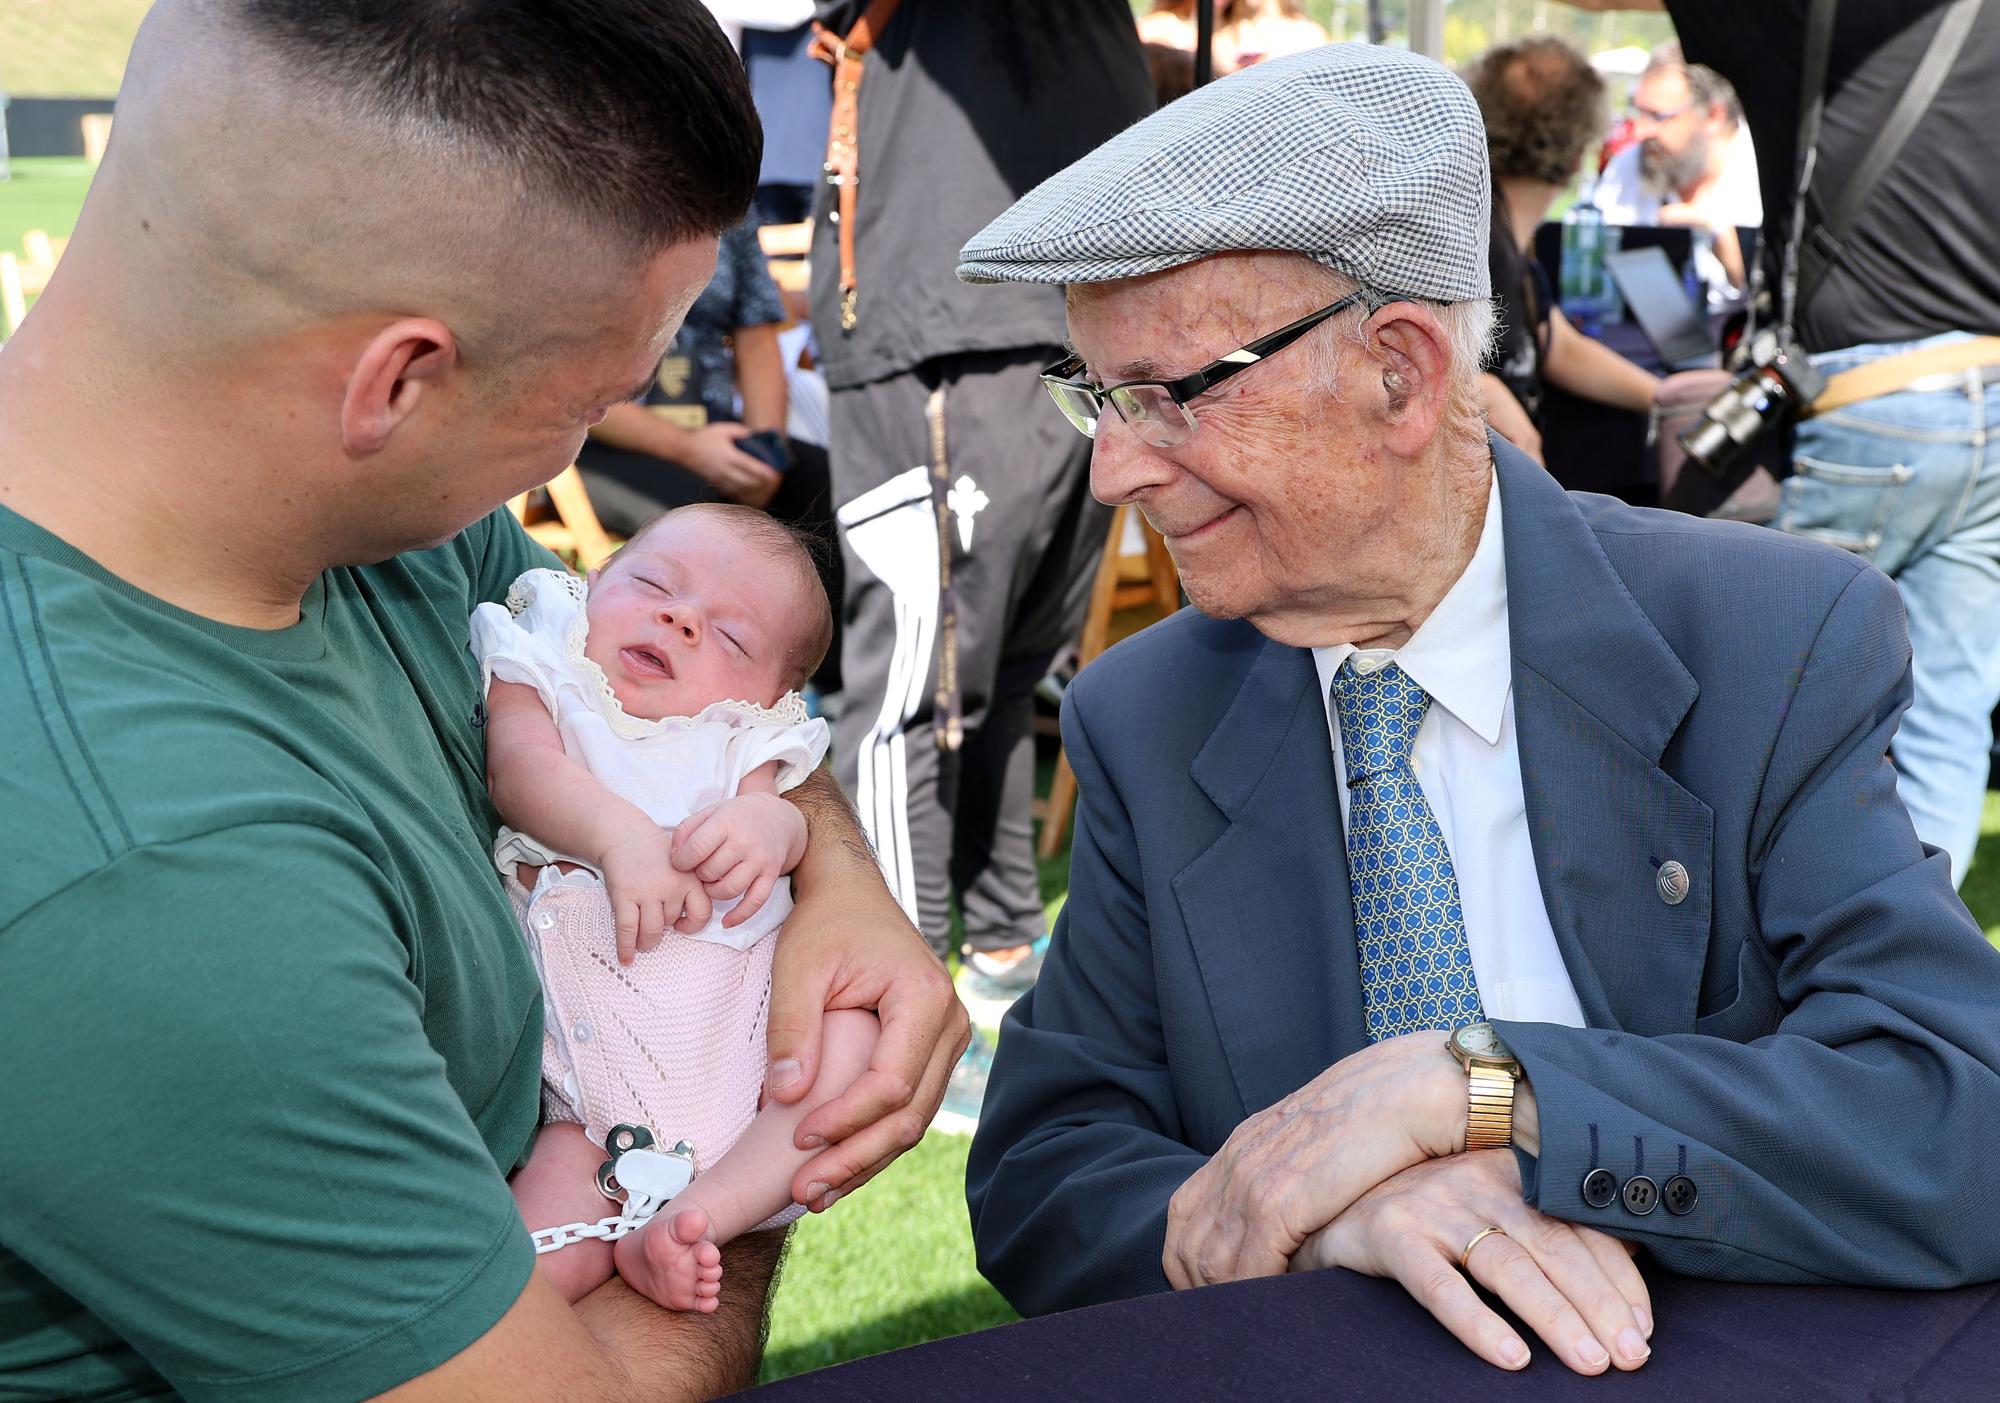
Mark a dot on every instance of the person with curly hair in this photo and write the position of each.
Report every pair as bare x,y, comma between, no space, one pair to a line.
1544,109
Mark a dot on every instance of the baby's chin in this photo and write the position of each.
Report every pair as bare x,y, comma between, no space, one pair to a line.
646,708
649,703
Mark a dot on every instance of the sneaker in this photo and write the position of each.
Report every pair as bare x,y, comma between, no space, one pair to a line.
964,1093
1060,674
984,980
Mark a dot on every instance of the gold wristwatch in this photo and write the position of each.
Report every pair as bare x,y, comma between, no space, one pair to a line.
1490,1073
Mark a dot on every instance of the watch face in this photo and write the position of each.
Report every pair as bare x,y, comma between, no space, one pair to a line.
1479,1040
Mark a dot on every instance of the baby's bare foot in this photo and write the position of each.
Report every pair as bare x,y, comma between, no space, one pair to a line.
673,1263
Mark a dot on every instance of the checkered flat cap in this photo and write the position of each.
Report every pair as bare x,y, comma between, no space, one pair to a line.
1369,159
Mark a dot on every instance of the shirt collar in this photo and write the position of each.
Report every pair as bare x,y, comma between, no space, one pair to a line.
1460,655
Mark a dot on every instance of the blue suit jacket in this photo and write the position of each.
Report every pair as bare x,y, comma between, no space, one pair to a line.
1811,1036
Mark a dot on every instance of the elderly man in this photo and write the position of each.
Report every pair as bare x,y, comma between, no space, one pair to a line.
1481,882
350,276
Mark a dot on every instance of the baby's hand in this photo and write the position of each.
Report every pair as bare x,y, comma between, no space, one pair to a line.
740,847
649,893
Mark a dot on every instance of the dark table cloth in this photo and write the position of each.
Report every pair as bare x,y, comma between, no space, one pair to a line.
1332,1334
1592,447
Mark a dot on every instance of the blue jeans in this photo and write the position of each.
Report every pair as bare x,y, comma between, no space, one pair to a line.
1906,481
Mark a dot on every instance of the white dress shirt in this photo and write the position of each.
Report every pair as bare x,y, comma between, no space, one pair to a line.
1622,198
1469,768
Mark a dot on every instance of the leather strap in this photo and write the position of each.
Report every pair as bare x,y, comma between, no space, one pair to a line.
1885,377
1812,106
948,704
843,159
1822,247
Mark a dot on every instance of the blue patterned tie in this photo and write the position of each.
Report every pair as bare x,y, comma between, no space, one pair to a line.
1416,969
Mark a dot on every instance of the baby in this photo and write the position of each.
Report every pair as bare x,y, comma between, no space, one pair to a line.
639,733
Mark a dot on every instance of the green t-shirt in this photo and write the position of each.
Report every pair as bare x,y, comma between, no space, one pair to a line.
268,1034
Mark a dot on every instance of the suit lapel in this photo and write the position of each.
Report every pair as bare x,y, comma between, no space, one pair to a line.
1598,695
1266,906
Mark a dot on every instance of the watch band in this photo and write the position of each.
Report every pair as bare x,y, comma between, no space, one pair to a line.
1489,1108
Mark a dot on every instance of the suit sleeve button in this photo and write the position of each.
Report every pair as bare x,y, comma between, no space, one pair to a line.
1600,1186
1642,1195
1680,1195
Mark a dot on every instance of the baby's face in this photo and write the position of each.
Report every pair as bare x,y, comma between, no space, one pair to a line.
690,615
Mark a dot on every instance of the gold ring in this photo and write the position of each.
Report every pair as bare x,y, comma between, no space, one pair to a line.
1478,1238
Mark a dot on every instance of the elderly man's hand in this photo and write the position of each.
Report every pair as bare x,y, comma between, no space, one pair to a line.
1292,1168
1573,1286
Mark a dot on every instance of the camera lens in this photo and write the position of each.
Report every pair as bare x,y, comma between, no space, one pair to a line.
1709,444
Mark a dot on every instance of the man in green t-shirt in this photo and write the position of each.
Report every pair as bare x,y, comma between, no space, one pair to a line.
349,277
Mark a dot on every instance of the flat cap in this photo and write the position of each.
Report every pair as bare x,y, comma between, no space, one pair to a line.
1369,159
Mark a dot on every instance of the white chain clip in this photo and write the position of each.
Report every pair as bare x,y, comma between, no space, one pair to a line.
640,1175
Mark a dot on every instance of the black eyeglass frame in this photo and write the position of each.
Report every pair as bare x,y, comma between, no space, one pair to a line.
1063,374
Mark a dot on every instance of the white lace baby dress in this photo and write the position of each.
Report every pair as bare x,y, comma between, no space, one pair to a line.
675,1040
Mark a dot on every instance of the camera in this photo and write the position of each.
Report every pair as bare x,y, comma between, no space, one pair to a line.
767,447
1777,381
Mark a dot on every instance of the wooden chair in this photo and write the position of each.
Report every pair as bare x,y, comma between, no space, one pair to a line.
1123,582
574,532
39,263
96,136
13,299
786,240
785,248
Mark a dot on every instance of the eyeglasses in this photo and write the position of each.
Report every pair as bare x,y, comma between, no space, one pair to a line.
1658,119
1157,410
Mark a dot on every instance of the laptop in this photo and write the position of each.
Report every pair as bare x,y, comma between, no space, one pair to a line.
1674,324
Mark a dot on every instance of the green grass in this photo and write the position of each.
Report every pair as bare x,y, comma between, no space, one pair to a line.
66,48
1982,883
46,193
890,1267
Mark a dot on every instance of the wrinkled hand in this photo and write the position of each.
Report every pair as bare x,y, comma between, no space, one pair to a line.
648,894
740,847
1575,1287
849,945
712,454
1293,1167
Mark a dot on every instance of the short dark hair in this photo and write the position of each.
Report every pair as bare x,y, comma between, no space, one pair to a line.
799,550
631,113
1543,104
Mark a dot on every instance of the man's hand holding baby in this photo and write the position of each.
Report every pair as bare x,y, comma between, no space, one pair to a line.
740,847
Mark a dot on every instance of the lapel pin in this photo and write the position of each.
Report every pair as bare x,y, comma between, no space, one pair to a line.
1672,881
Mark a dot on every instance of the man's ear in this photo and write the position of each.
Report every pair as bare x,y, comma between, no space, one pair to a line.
1410,354
400,364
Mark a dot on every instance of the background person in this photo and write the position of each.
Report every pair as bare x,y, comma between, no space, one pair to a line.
1543,105
1442,747
1246,32
1693,164
1904,480
256,438
1261,29
935,408
722,381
